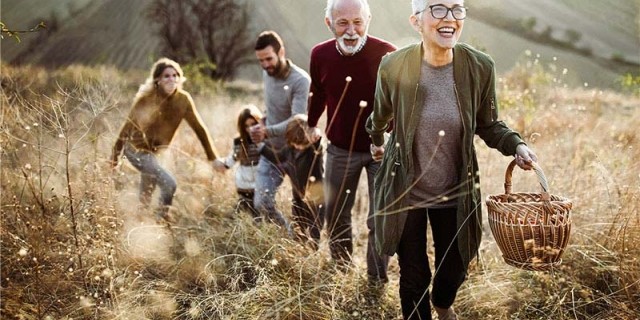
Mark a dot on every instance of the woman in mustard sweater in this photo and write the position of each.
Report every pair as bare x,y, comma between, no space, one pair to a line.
158,108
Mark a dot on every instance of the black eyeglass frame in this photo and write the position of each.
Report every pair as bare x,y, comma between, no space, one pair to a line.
447,13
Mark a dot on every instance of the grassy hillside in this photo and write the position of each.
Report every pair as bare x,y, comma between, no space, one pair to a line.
75,244
301,23
606,26
115,32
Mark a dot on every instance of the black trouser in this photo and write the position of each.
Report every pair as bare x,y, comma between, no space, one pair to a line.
308,196
305,172
415,273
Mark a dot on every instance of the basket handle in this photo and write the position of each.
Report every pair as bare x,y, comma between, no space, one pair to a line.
542,179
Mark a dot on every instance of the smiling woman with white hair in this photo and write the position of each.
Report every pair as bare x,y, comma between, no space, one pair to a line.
439,94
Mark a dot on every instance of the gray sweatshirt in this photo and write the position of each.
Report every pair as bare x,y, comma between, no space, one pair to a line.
284,98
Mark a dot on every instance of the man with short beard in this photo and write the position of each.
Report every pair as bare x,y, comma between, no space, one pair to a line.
343,79
286,90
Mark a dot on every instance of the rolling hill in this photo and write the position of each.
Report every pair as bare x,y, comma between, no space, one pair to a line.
116,32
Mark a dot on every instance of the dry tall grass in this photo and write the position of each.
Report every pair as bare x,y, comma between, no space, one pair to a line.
75,247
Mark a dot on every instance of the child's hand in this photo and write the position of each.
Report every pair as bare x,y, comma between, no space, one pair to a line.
314,134
377,152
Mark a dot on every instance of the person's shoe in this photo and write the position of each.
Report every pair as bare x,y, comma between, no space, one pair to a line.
163,215
376,282
446,314
376,287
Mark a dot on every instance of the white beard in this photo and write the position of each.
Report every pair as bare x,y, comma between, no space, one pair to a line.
350,50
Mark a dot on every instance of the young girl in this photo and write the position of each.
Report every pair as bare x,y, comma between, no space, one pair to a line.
247,153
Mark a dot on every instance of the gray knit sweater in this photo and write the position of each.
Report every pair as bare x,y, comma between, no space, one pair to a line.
284,98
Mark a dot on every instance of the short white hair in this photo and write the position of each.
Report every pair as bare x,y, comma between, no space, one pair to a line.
418,5
332,3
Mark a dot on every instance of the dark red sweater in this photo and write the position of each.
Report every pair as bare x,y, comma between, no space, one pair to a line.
329,69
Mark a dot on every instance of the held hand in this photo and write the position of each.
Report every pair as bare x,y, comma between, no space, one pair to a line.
314,134
258,132
377,152
219,166
525,157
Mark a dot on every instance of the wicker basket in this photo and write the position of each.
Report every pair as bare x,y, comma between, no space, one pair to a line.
531,229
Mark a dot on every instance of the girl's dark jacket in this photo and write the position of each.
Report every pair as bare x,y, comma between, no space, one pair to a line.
399,98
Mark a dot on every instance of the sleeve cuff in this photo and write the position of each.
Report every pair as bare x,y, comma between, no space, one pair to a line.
377,139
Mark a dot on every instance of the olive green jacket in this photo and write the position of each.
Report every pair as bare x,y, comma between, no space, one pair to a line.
399,98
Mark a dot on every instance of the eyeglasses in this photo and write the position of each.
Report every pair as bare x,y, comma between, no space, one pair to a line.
440,11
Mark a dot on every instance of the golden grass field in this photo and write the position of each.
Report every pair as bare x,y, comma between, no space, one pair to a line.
75,247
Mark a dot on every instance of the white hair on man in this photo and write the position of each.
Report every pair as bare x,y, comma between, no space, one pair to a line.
332,3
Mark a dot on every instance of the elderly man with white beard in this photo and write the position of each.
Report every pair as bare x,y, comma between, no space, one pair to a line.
343,79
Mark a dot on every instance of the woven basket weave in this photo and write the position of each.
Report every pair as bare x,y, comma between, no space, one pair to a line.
531,229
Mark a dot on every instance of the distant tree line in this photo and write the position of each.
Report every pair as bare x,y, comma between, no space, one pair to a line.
214,35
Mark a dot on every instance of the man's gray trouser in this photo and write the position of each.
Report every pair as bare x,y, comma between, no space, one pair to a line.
342,174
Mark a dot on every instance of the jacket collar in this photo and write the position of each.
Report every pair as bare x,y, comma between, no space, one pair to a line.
414,57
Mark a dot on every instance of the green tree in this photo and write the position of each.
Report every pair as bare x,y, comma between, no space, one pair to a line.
529,23
573,36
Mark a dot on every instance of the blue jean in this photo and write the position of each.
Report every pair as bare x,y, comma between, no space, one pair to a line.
152,175
343,169
268,181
